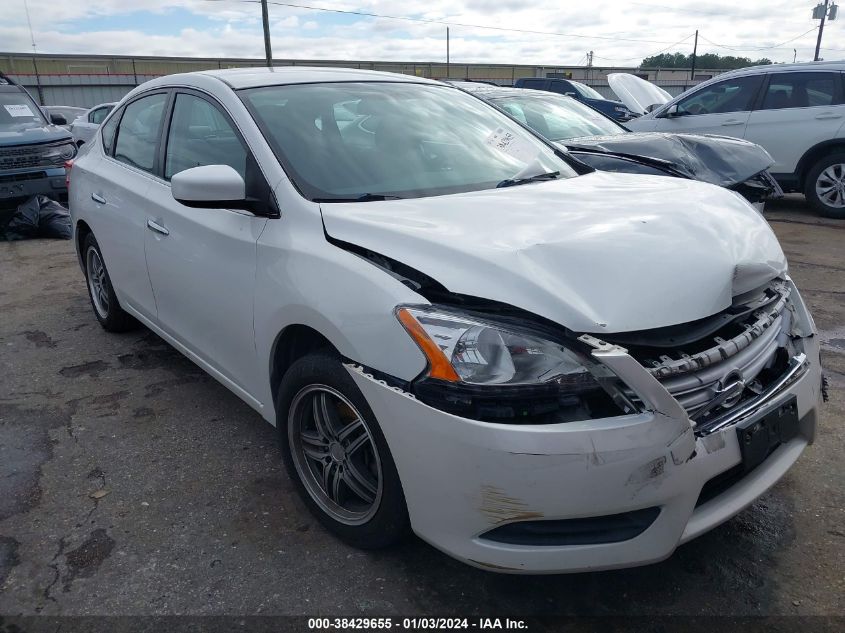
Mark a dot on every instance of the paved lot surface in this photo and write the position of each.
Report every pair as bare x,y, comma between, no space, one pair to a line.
132,483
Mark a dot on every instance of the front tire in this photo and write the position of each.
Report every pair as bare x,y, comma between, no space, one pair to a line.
100,290
825,186
336,454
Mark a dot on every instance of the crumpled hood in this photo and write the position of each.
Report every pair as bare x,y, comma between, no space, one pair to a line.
597,253
637,93
719,160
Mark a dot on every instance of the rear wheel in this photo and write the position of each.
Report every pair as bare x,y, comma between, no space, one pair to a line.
337,456
825,186
106,306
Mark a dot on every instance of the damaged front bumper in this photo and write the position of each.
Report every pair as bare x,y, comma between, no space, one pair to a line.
585,495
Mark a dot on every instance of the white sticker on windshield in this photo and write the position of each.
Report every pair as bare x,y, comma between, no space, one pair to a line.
18,110
513,145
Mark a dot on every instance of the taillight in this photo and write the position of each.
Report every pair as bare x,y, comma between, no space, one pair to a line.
68,166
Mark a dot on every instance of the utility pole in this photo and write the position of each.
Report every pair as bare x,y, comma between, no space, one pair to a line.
265,18
447,52
694,53
826,11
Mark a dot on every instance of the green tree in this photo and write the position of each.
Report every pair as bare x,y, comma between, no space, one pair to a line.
706,60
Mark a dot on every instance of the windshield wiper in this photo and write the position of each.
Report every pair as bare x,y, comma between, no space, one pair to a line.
512,182
364,197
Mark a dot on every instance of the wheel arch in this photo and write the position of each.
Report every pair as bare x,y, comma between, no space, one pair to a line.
82,231
814,154
292,343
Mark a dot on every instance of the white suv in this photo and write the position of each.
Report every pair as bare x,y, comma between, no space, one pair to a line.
455,327
795,111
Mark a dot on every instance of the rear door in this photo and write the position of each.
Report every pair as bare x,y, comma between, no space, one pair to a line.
797,110
118,193
201,262
722,108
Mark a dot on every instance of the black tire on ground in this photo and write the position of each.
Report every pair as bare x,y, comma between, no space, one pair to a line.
106,306
386,522
820,173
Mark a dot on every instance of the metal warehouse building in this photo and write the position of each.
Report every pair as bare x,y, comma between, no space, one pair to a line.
86,80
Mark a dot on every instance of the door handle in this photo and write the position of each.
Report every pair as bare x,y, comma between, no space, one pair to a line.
733,122
98,198
829,115
158,228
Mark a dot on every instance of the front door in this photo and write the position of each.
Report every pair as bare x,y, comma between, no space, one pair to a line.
202,261
720,108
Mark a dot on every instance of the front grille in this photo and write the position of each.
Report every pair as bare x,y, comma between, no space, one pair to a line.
744,343
21,157
29,175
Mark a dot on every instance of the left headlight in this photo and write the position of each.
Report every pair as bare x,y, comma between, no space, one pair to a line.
59,153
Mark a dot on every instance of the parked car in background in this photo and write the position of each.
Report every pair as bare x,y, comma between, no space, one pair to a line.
84,127
582,92
795,111
69,113
456,328
33,150
597,140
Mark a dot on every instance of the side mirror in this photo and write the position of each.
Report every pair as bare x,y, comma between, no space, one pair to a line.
210,187
58,119
671,112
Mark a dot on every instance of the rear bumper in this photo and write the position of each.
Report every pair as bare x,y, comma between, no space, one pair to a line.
463,477
25,183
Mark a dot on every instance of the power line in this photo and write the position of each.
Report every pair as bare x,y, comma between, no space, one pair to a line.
367,14
760,48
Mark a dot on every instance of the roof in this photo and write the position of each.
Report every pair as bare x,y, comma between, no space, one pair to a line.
239,78
780,68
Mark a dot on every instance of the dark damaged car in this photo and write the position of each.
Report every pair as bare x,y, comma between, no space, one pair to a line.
33,150
606,145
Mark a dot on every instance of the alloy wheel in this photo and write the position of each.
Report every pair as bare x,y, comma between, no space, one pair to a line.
830,186
335,454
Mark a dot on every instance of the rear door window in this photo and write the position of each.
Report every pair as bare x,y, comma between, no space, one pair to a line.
802,90
139,131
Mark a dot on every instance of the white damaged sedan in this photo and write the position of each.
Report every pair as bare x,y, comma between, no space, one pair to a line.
457,329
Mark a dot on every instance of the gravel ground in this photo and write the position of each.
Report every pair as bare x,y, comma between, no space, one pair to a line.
132,483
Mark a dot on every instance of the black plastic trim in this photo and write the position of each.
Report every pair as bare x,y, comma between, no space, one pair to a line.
611,528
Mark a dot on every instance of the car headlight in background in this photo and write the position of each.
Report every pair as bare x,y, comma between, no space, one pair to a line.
490,371
58,154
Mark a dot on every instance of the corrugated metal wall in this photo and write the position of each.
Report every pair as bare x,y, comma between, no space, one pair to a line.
85,81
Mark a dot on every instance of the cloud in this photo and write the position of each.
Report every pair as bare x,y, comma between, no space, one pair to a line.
234,29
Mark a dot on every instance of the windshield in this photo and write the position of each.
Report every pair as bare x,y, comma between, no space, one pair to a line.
18,110
558,118
586,91
406,140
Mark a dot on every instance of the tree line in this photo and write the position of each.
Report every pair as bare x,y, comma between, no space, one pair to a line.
707,60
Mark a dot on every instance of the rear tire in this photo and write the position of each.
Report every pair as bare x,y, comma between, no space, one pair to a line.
825,186
100,290
336,454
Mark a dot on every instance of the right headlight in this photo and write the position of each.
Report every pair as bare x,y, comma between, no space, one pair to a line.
475,352
486,370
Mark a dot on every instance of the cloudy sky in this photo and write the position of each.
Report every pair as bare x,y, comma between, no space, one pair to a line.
544,32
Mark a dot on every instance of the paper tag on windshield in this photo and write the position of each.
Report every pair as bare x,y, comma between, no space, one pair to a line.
18,110
513,145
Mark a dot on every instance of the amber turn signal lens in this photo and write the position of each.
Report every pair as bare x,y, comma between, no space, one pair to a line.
439,365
